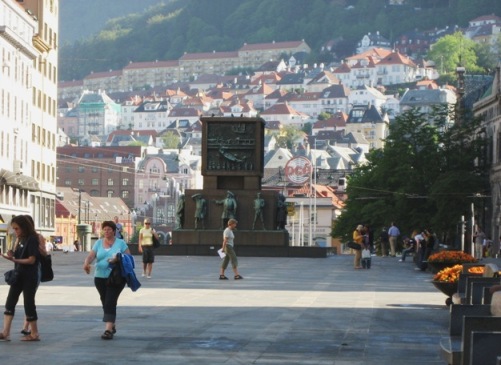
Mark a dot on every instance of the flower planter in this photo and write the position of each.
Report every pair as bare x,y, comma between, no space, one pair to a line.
436,266
448,288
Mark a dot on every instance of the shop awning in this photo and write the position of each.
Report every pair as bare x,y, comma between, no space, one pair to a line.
20,181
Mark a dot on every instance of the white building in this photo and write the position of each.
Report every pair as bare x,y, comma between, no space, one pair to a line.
28,110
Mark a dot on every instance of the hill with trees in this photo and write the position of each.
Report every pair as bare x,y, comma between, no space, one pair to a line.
168,29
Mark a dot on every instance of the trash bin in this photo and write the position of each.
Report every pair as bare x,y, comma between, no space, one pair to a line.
84,231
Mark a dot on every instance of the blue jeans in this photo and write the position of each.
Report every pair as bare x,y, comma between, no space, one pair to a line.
407,251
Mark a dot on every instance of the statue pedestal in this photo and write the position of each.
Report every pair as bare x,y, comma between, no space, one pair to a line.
213,237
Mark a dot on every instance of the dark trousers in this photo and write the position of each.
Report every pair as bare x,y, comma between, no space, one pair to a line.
28,285
109,298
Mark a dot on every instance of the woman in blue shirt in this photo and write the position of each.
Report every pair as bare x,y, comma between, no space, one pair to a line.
104,252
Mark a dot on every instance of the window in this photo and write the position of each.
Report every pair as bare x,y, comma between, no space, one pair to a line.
95,169
110,193
110,182
125,194
95,181
81,182
67,182
81,169
125,181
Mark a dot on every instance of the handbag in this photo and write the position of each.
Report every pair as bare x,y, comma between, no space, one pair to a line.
366,253
116,280
46,268
156,242
354,245
11,276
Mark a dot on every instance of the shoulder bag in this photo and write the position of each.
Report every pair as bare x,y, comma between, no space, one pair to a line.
116,280
11,276
354,245
154,239
46,268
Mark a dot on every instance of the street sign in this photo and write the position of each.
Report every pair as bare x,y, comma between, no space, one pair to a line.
298,170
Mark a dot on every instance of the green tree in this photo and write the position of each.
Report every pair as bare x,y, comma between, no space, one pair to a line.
453,50
414,179
170,140
288,136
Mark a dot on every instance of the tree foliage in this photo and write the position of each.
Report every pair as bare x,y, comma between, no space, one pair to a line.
427,175
171,28
170,140
452,51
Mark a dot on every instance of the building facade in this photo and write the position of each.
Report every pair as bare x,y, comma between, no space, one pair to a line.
28,110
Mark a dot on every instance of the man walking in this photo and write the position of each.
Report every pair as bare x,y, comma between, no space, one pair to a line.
393,232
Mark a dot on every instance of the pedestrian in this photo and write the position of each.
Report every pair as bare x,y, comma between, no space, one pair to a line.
119,231
105,252
369,237
42,248
26,257
145,247
393,233
385,241
358,237
478,239
228,242
410,247
76,244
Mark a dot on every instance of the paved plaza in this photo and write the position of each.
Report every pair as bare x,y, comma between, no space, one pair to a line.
285,311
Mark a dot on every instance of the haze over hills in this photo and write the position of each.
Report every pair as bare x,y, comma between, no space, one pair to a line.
79,20
169,28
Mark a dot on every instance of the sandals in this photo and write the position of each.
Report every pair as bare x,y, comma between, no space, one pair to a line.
29,338
4,338
238,277
114,329
222,277
25,332
107,335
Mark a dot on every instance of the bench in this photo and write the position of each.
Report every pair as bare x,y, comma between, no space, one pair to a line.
485,349
450,347
489,326
463,295
475,288
458,347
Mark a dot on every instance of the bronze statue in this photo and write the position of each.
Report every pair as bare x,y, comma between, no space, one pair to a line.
281,212
180,212
229,208
200,210
258,210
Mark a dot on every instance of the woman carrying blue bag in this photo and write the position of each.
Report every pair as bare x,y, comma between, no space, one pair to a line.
105,252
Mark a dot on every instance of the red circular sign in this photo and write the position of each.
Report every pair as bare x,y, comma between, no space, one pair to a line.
298,170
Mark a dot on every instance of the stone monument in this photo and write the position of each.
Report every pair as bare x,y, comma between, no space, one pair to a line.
232,169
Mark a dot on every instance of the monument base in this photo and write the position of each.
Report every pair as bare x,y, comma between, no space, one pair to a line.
241,251
187,242
242,237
